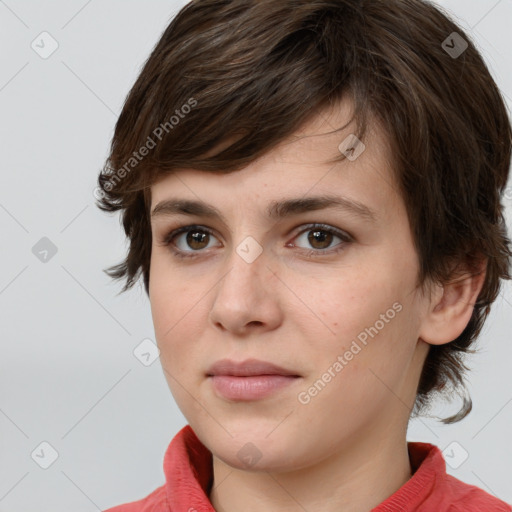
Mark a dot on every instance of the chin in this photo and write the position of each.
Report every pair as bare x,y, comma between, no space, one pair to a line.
255,450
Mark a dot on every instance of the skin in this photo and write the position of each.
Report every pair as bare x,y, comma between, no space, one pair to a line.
300,312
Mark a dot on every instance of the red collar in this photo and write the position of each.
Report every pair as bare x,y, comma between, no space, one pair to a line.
188,470
189,475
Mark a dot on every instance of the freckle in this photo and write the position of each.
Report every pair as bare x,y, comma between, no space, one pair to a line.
335,324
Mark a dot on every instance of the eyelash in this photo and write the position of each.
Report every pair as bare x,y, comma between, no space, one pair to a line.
167,240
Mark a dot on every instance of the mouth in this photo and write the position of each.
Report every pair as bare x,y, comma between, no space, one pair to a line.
249,380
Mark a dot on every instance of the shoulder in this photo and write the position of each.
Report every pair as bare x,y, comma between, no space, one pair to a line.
464,497
153,502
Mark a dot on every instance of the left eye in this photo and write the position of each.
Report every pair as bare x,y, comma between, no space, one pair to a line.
321,237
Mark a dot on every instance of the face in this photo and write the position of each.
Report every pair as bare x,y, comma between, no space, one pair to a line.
327,293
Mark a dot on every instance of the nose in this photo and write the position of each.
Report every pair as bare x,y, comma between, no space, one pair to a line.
246,297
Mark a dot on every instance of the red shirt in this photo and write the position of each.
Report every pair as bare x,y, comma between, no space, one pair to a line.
189,474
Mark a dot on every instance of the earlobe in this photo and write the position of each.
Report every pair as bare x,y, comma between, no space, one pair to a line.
451,308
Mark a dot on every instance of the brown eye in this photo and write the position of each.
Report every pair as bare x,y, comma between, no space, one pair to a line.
196,239
189,241
320,239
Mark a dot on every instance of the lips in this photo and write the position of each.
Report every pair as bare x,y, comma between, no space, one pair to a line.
249,380
247,368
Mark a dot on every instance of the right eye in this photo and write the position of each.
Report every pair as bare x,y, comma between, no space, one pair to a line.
196,238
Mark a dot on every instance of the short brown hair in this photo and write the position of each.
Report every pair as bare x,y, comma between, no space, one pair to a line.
253,71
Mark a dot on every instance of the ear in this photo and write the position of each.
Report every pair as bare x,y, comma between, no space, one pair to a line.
451,308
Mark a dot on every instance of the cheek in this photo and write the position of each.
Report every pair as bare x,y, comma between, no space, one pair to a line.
364,318
168,293
339,308
368,358
172,307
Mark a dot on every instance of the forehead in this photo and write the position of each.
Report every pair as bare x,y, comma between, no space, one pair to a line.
301,166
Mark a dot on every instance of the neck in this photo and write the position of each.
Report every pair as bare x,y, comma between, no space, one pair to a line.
350,480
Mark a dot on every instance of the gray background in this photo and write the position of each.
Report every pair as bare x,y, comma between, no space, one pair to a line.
68,375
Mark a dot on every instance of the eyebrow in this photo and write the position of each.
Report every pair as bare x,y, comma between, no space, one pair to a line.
275,210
